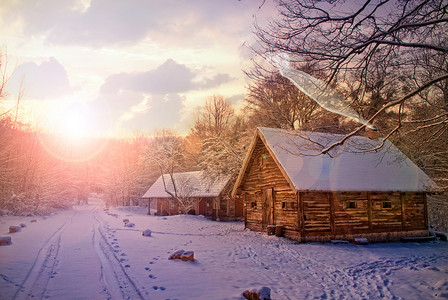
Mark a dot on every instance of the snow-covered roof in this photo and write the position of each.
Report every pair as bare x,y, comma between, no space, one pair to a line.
191,184
350,167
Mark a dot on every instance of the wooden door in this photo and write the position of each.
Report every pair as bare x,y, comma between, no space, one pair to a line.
239,206
268,207
202,209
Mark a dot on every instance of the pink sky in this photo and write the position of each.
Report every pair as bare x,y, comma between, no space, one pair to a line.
132,65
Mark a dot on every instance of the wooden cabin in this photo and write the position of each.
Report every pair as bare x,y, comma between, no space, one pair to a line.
209,198
347,193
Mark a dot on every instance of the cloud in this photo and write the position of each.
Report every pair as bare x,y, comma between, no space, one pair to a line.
152,99
106,22
47,80
236,99
168,78
155,113
155,98
116,22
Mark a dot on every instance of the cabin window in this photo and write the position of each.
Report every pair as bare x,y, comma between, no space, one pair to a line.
254,205
387,204
262,161
351,204
289,205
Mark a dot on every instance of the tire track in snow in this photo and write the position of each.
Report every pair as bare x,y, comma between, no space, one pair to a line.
36,280
117,281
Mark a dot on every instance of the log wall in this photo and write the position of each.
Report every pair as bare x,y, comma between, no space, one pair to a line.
202,206
163,206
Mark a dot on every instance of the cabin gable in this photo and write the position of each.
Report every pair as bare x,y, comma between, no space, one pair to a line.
268,196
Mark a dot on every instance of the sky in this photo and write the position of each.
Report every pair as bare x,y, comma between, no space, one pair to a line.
115,67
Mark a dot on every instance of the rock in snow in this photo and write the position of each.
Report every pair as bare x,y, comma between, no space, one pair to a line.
147,232
129,225
187,256
177,254
14,229
262,294
125,221
339,242
5,240
441,235
182,255
360,241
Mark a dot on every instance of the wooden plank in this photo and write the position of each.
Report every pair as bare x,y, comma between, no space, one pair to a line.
302,215
425,209
369,210
403,215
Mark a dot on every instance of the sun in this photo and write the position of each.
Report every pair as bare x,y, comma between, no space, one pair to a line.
73,132
75,121
74,125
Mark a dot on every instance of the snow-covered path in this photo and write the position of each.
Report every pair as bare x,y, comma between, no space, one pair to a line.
87,253
76,262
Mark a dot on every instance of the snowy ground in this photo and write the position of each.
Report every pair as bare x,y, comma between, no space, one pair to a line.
87,253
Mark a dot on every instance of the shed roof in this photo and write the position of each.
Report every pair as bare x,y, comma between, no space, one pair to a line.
188,184
349,167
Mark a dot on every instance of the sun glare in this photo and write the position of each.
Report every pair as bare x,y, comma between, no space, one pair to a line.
73,132
74,125
75,121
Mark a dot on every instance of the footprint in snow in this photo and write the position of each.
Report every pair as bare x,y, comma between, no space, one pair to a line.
155,287
123,254
152,276
127,266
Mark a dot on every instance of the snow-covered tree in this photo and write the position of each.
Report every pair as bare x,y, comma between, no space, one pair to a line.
222,137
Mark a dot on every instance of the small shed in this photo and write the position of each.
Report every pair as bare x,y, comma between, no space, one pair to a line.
204,197
359,189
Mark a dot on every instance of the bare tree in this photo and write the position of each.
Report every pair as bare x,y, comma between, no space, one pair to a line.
215,117
273,101
350,42
125,175
184,193
166,155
